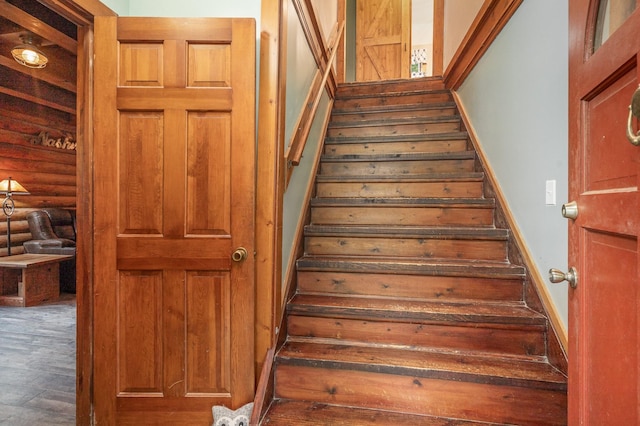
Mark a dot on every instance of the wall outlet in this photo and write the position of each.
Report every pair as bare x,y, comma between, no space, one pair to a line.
550,193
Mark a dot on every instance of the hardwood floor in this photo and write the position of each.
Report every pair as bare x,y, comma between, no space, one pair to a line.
37,364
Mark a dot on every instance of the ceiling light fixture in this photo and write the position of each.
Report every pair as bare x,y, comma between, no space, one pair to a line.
28,53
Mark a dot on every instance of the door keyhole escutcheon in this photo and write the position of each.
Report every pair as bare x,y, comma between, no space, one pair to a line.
239,254
634,111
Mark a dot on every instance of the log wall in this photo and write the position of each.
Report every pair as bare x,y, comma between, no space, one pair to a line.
47,172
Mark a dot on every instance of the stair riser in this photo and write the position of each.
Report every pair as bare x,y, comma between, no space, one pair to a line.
522,341
356,104
406,247
399,190
425,396
408,216
397,168
402,147
409,286
408,129
389,88
393,115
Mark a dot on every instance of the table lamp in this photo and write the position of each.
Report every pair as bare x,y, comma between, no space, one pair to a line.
9,187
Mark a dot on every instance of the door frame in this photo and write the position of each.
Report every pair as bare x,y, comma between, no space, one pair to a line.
82,13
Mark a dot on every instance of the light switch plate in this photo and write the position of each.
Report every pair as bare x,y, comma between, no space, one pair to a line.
550,193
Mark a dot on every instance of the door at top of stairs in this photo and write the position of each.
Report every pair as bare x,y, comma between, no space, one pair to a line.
383,39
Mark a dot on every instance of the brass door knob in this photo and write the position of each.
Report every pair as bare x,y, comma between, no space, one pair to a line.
239,255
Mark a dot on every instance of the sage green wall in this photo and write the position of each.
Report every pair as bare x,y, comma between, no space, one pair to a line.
301,70
517,101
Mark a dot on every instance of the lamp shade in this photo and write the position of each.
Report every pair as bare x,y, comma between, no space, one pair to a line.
28,54
10,186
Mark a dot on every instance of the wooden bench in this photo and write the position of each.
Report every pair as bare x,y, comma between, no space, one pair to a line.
30,279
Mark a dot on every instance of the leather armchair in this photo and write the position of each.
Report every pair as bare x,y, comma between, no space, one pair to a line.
53,231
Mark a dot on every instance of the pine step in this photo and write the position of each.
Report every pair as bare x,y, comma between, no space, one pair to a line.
397,310
394,112
398,164
462,367
399,138
372,146
470,212
405,286
391,99
394,265
389,87
460,185
405,127
290,412
406,241
423,396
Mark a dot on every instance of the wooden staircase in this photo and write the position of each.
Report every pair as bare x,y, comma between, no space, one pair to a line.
407,308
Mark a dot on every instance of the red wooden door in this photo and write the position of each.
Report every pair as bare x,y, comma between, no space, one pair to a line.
383,39
174,193
603,240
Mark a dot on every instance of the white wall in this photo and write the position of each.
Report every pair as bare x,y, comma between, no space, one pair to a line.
517,101
458,16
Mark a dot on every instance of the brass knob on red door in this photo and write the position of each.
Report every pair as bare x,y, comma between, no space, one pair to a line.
557,276
239,255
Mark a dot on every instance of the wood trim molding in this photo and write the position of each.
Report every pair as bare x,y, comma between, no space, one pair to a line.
490,20
537,280
270,174
438,37
82,13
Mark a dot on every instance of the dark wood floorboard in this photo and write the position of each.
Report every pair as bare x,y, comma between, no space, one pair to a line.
37,364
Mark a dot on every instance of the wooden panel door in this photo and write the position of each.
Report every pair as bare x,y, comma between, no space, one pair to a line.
604,178
174,197
383,39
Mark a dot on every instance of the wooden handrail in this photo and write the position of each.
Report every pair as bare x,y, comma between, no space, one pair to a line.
298,141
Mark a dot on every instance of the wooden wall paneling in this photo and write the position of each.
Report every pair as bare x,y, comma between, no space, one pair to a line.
492,17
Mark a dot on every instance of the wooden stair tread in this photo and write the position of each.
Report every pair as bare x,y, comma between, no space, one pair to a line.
433,364
398,201
398,231
341,96
396,138
411,310
382,87
411,266
394,121
433,177
431,156
393,108
288,412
